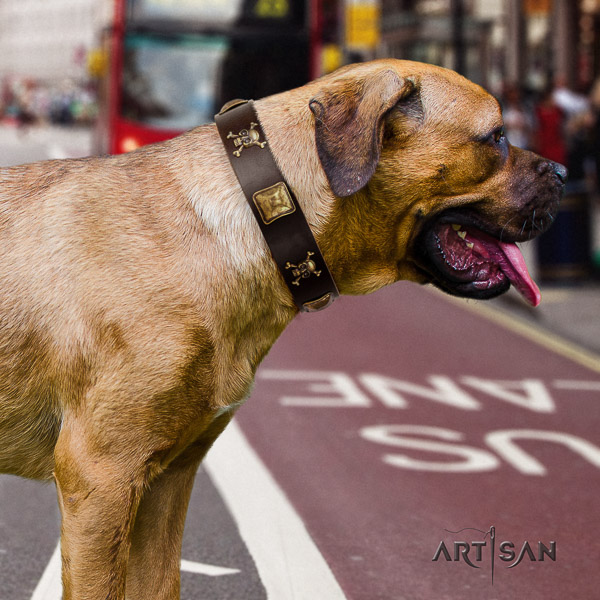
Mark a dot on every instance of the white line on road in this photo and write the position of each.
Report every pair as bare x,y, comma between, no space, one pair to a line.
288,561
582,386
204,569
50,587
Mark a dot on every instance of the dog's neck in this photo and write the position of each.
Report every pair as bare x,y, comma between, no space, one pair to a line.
251,298
233,275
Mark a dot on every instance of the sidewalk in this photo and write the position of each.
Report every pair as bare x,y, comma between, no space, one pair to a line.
573,313
19,146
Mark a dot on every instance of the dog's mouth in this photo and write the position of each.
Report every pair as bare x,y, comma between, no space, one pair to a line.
465,260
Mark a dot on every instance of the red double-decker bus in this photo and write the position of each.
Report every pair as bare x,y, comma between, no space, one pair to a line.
173,63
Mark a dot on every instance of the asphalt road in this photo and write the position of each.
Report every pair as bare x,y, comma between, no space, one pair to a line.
393,420
376,429
217,564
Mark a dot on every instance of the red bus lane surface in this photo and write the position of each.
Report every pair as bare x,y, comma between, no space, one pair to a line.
395,421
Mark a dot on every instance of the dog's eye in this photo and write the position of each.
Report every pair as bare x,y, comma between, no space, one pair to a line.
499,135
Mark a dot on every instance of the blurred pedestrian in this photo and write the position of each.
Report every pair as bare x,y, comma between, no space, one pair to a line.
579,131
550,129
570,102
578,126
25,114
595,129
517,123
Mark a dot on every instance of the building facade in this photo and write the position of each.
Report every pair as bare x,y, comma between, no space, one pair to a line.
527,42
49,39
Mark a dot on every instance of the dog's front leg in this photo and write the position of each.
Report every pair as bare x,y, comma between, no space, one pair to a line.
99,494
155,556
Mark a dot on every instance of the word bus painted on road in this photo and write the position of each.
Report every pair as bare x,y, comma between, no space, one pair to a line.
335,389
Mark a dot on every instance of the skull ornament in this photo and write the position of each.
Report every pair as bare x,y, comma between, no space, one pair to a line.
304,269
246,138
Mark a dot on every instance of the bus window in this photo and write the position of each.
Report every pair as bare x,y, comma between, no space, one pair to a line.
170,82
180,82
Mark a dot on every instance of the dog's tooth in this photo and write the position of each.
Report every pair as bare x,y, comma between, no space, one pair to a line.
462,234
470,245
456,227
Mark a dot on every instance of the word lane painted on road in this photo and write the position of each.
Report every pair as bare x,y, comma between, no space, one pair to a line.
336,389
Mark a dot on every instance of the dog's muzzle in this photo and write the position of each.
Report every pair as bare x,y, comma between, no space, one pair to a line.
467,256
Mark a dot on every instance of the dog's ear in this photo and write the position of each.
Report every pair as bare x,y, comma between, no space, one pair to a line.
349,124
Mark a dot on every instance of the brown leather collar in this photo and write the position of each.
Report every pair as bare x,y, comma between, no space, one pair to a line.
275,207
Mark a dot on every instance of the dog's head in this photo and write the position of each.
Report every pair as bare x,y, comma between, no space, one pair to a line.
428,188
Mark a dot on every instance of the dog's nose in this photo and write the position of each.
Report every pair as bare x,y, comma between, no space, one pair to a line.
560,171
549,166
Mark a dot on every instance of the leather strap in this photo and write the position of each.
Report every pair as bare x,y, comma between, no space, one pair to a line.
275,207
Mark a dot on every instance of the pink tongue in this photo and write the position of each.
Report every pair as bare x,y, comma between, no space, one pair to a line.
510,260
516,270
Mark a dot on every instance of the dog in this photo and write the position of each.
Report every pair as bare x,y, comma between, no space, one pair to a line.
138,295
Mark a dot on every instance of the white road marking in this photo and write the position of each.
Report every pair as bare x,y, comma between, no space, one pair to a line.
288,561
49,586
204,569
582,386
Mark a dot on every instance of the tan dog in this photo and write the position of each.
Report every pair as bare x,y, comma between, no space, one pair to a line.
137,295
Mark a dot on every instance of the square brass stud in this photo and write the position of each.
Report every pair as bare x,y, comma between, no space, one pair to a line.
274,202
